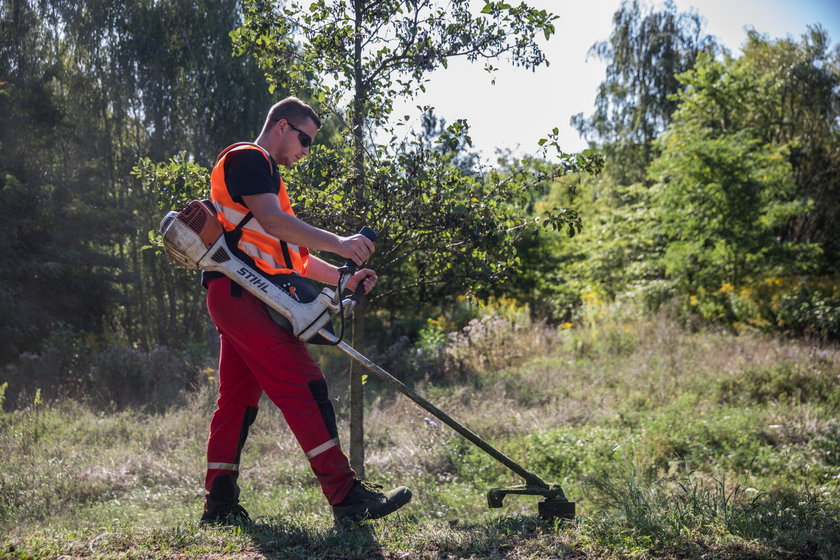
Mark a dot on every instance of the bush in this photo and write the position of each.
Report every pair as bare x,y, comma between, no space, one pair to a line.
786,382
495,335
808,308
105,374
121,377
796,306
487,344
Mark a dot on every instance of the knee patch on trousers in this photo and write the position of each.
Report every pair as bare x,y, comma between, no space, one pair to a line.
319,391
247,421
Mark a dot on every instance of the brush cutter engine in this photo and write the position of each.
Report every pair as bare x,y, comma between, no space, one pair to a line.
194,238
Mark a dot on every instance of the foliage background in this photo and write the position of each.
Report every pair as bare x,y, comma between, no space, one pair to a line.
717,199
653,321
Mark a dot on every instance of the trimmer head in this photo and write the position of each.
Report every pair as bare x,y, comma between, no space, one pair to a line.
554,505
556,508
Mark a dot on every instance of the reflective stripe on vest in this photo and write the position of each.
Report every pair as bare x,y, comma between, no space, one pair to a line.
270,254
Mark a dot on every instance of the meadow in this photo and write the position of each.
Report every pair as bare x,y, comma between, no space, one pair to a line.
674,442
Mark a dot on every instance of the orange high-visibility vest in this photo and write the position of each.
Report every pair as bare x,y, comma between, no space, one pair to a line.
270,254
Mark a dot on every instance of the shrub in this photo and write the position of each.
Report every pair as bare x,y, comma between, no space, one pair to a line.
808,308
812,382
55,372
797,306
105,374
429,354
121,377
487,344
474,338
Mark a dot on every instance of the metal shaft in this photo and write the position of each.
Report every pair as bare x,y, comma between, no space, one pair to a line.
529,477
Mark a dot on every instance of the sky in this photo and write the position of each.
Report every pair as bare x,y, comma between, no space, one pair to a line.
550,95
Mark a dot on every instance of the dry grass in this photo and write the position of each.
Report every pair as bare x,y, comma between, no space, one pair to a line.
643,405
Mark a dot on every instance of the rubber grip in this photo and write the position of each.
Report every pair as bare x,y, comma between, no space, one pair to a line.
350,266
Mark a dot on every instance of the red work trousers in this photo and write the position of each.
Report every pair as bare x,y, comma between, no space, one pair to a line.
257,355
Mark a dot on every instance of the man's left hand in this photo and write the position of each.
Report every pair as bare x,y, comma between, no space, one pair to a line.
366,277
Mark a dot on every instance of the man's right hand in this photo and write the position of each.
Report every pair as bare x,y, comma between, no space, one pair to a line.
270,216
356,247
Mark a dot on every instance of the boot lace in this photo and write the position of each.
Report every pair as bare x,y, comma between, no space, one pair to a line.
365,490
371,486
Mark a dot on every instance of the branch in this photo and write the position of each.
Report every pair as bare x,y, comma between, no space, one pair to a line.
406,287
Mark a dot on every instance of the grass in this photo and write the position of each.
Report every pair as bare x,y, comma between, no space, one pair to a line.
674,444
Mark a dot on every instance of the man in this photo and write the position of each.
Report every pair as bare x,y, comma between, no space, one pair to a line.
257,355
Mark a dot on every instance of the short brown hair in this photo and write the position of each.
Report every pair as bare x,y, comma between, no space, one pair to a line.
293,110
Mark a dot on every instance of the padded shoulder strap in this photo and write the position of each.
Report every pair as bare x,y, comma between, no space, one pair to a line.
242,145
267,157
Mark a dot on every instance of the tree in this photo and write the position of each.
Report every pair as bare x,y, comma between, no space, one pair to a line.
634,104
722,199
736,178
786,93
615,257
159,88
87,88
54,270
441,229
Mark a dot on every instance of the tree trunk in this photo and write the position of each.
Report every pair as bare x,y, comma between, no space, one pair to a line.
357,396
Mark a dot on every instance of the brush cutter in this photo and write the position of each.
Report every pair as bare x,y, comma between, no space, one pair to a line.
195,239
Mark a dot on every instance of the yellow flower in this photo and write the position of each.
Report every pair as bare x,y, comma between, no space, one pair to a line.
727,288
592,299
692,300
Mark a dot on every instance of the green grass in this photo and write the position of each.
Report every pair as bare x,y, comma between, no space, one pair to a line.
673,444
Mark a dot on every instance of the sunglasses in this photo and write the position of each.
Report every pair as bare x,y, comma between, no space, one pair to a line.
305,139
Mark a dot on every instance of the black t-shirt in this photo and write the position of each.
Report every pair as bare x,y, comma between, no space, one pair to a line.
247,172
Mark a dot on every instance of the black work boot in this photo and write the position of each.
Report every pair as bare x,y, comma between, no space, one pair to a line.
232,514
221,506
366,501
